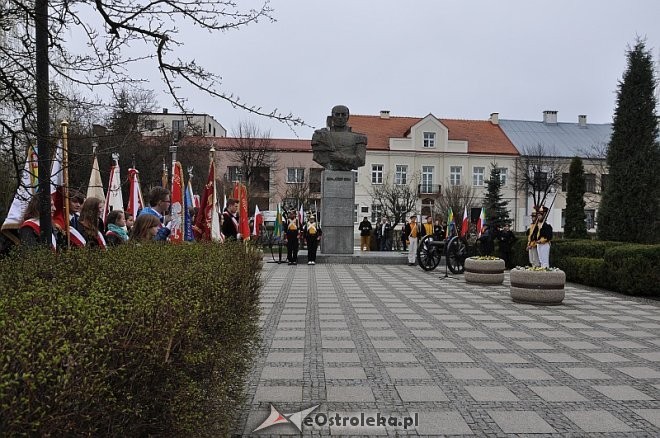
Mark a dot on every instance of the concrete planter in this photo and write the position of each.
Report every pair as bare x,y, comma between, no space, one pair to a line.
484,271
544,288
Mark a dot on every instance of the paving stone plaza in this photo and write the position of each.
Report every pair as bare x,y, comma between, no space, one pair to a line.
396,341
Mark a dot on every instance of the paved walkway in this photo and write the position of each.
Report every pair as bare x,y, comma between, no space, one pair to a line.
394,340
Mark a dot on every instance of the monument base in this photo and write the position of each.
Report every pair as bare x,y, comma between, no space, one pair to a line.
338,194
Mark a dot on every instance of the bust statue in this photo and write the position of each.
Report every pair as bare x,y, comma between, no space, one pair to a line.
337,147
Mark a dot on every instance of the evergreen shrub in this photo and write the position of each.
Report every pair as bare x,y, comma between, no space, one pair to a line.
136,341
633,269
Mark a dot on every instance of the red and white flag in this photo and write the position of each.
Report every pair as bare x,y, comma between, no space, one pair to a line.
258,221
57,187
25,191
481,221
135,201
466,223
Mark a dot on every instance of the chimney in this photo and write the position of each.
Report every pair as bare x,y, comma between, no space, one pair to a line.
550,117
582,120
495,118
384,114
164,110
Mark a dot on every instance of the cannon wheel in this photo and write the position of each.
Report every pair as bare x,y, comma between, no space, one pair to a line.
456,252
428,258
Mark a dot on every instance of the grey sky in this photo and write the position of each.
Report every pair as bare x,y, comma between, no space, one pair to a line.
456,59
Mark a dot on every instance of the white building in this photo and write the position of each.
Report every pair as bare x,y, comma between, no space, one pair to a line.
157,124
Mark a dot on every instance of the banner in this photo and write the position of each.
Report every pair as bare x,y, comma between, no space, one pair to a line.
95,185
25,191
176,207
135,201
113,199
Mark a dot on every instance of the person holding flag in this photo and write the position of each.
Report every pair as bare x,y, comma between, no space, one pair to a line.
292,235
230,218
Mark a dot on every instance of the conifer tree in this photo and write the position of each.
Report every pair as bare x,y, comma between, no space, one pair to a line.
630,207
497,213
575,227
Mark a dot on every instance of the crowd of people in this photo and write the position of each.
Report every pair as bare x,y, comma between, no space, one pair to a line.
88,229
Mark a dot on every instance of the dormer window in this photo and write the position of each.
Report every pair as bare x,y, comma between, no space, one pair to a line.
429,139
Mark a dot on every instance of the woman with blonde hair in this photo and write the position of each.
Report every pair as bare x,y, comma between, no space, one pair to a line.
145,228
90,224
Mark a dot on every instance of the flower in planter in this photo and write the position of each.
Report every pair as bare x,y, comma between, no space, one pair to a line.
535,269
485,258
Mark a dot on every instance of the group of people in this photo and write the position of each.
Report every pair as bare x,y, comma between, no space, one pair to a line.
309,231
384,233
88,229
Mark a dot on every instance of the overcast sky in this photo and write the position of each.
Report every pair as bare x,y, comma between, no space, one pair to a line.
459,59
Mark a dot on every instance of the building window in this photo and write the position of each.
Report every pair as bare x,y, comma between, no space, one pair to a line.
364,210
541,181
233,173
478,176
429,139
376,174
401,174
355,176
376,212
589,219
355,213
295,175
150,125
503,174
455,175
427,179
590,183
178,125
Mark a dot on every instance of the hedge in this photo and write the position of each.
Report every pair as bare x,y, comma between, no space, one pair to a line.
623,267
141,340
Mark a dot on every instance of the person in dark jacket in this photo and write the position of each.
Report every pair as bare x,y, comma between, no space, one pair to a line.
486,241
545,236
30,230
229,225
506,238
292,232
365,234
312,233
90,224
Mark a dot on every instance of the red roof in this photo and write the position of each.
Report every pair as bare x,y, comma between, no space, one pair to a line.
482,136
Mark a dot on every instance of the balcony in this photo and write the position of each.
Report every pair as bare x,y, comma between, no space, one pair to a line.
429,189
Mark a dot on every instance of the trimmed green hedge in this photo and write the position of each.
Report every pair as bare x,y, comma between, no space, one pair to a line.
634,269
623,267
141,340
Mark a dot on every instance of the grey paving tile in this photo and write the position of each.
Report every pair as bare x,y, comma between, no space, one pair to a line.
534,345
279,394
621,392
607,357
520,422
626,344
329,356
288,343
426,393
595,421
557,357
486,345
505,358
349,394
640,372
407,373
469,374
388,344
449,422
437,344
491,393
452,356
580,345
342,343
529,374
557,393
285,357
653,356
396,357
270,372
332,373
586,373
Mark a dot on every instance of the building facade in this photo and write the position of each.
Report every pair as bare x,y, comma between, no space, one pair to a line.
167,123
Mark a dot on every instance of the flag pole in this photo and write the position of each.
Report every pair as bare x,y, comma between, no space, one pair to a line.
65,179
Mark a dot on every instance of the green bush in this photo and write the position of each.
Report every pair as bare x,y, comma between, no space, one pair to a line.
633,269
582,248
584,270
141,340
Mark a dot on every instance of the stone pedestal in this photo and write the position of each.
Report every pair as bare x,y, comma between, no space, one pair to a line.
338,195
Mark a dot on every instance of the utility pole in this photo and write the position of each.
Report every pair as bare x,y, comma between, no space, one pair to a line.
43,146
